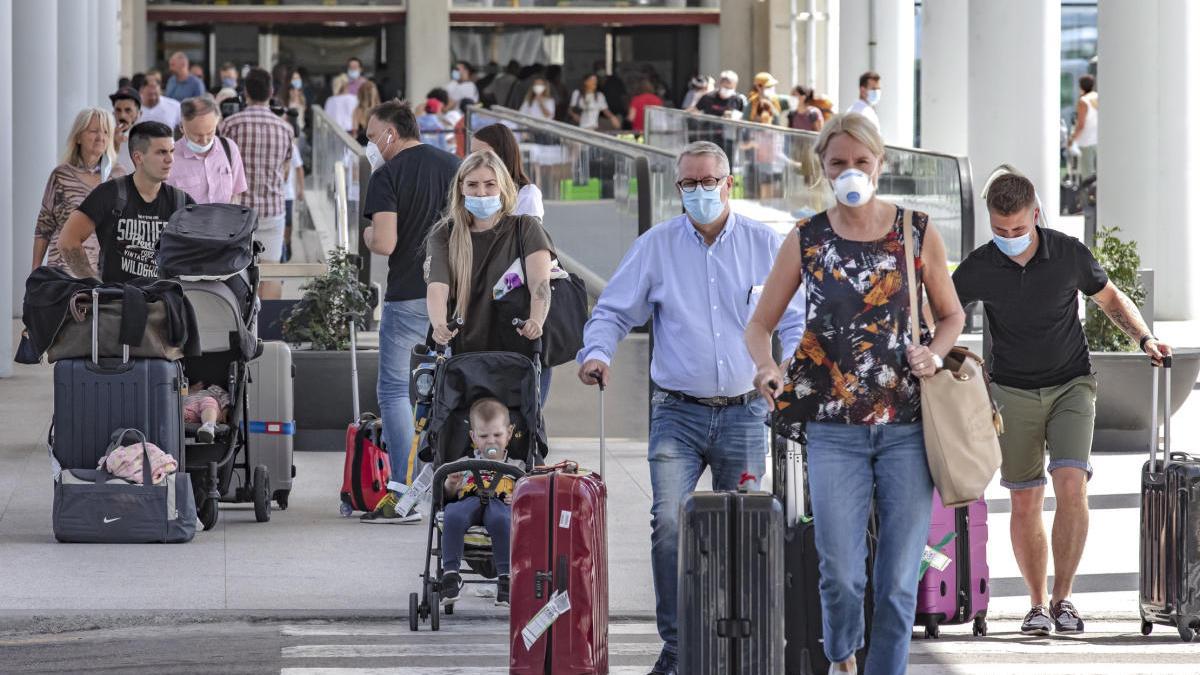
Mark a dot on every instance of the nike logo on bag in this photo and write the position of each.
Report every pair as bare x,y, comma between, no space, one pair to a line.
111,520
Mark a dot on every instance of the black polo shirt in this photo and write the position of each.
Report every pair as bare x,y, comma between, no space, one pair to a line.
1033,311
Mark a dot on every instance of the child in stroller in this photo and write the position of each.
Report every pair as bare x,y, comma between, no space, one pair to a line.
206,406
491,430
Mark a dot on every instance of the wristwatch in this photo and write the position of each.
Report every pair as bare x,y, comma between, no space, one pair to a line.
1145,338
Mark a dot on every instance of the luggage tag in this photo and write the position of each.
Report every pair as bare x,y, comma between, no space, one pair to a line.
420,488
933,556
559,604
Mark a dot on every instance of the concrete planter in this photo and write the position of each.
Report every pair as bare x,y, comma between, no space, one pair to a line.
1123,415
323,403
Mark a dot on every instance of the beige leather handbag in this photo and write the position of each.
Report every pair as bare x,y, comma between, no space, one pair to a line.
961,423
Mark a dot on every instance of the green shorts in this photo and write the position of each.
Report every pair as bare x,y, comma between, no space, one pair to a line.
1055,419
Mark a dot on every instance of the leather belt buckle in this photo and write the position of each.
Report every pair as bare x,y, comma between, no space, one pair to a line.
716,401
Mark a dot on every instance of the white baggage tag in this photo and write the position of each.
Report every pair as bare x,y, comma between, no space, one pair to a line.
935,559
564,519
418,490
559,604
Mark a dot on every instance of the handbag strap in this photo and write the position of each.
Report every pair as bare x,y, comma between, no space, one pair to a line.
521,255
914,315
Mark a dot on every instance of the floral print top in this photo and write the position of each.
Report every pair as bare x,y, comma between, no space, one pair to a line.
851,365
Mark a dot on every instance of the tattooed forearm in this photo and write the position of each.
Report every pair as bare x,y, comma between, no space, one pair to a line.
1126,316
78,263
541,301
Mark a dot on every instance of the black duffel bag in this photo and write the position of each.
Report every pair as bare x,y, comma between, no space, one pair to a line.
562,333
207,241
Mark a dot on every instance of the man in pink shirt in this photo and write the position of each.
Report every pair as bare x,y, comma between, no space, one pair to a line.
207,167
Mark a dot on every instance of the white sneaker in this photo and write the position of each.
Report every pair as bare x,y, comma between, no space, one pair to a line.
206,433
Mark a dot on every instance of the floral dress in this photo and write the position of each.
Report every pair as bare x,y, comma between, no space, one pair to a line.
851,365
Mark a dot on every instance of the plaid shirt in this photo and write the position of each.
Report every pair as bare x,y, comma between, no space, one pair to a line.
266,144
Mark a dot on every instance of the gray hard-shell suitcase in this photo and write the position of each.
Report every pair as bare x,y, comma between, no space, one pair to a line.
731,579
271,420
93,506
93,397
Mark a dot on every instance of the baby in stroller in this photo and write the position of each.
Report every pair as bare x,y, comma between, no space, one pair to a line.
491,431
206,406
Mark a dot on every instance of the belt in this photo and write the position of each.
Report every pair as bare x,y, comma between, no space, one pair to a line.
715,401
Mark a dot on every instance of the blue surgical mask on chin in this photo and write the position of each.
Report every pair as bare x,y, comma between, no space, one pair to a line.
704,206
482,207
1013,246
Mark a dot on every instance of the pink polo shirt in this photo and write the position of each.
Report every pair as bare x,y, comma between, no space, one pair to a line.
211,179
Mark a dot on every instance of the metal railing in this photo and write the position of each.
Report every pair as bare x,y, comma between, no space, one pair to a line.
600,192
779,179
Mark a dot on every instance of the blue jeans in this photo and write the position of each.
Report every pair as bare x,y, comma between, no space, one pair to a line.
684,439
847,466
496,517
404,324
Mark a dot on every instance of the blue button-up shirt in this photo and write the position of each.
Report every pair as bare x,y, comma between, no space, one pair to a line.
701,298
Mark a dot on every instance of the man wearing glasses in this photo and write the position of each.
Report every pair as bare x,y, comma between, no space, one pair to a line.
699,275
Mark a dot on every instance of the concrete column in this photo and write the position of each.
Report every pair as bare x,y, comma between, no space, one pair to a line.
7,310
428,47
895,35
1014,62
1148,155
737,40
75,75
830,45
854,57
944,73
108,49
133,36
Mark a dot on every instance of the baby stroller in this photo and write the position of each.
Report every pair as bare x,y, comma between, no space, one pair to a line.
513,379
210,250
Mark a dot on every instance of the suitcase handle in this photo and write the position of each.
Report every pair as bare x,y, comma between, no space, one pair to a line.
737,629
1166,437
96,293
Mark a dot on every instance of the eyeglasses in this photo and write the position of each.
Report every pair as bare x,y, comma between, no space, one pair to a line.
709,184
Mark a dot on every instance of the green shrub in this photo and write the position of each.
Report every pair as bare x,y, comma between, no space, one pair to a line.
1121,261
322,315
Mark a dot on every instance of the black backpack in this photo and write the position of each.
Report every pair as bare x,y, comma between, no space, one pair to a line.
179,196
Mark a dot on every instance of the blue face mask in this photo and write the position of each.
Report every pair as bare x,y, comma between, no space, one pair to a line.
704,206
482,207
229,82
1013,246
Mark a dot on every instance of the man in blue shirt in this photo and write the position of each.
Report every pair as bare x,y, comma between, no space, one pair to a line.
699,276
182,84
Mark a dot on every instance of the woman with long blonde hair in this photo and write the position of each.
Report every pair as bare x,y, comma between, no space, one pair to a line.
472,259
368,99
89,159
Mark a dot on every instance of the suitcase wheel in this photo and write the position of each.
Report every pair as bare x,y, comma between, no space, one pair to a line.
345,510
980,627
1186,633
281,498
932,631
1147,627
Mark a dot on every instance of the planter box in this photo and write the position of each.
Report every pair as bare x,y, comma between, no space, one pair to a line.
323,403
1123,415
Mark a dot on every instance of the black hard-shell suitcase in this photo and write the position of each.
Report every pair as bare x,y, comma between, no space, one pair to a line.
1170,530
804,651
93,397
730,575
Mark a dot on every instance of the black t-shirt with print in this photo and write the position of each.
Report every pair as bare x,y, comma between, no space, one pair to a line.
129,240
712,104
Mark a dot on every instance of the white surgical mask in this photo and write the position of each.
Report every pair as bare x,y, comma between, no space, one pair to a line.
200,149
769,92
539,89
455,75
726,92
853,188
873,96
1013,246
374,156
482,207
297,83
353,73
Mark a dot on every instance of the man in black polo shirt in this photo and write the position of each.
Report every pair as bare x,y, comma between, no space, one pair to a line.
1029,279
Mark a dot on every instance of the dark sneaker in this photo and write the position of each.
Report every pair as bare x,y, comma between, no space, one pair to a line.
667,664
1037,622
1066,617
385,513
502,591
451,584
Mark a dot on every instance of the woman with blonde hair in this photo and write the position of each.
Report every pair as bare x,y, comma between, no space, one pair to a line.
368,99
88,160
853,389
472,259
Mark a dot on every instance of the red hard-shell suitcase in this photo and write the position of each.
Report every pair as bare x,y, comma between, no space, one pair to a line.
959,593
559,549
366,473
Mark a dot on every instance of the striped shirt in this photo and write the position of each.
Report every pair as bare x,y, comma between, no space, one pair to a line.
266,144
65,190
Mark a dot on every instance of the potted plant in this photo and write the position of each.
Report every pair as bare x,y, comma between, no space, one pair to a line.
318,326
1123,375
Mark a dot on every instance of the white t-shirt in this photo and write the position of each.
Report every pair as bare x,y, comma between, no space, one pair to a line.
866,110
534,109
167,112
457,91
529,202
289,186
123,158
341,109
591,104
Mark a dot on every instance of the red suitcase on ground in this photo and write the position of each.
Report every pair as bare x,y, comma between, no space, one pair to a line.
558,623
366,475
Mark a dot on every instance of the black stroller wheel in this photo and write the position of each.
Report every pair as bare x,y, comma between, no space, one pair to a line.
414,612
262,494
208,513
435,606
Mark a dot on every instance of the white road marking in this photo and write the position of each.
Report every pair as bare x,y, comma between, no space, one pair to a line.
457,649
